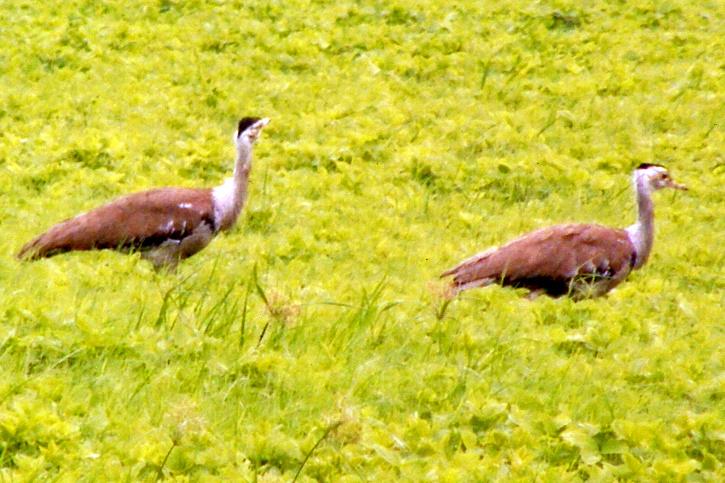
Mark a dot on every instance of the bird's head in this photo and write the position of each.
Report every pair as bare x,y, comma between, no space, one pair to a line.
655,177
249,129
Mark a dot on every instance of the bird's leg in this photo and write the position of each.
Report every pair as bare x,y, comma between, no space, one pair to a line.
533,294
199,239
167,255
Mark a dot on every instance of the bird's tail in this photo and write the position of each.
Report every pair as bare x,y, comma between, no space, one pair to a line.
468,263
458,286
29,250
39,247
60,238
462,280
464,273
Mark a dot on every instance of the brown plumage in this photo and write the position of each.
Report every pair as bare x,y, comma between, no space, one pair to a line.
557,260
166,224
137,221
580,260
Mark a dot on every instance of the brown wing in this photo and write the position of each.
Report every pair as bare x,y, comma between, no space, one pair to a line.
139,220
550,258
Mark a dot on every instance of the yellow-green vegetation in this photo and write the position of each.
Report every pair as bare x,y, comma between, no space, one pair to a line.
310,342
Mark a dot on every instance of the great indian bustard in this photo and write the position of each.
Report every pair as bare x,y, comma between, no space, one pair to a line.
580,260
166,224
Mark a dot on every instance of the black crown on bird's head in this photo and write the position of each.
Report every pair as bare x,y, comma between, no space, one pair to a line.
245,123
649,165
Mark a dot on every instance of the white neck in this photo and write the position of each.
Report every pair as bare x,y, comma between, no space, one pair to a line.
641,234
229,197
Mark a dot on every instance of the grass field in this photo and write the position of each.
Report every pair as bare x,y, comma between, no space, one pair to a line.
307,342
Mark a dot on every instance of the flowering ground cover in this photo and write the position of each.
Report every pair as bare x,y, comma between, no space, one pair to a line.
311,342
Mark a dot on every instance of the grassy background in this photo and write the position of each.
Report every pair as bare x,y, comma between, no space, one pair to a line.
405,136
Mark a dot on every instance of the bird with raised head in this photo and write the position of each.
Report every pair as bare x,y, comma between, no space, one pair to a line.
578,260
165,225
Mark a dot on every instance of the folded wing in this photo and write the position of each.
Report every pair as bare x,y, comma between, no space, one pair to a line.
551,259
138,221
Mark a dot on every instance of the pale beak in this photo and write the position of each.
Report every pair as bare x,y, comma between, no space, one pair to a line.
677,186
256,128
